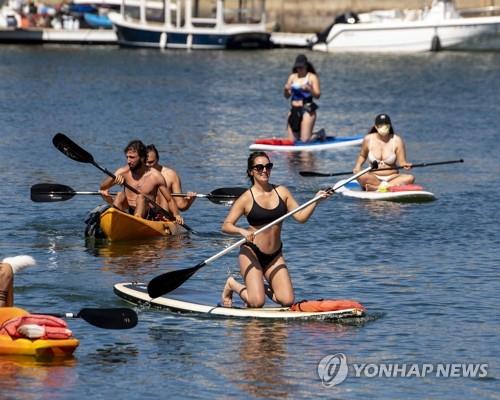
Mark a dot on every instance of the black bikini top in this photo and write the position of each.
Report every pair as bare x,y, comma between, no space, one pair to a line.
259,216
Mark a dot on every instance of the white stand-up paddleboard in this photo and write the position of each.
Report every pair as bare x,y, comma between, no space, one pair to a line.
353,189
136,293
329,143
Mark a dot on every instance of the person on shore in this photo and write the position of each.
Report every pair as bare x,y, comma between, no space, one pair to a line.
8,268
261,256
381,144
147,181
172,180
302,87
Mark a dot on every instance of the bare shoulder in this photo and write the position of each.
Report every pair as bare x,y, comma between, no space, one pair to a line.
168,173
366,141
243,200
156,175
245,197
282,191
123,170
398,139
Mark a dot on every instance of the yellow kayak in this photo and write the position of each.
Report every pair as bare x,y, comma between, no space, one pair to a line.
28,347
118,225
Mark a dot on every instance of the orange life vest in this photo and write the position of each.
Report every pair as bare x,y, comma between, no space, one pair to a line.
55,328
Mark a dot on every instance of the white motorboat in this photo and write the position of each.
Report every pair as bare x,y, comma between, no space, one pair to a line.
439,27
177,24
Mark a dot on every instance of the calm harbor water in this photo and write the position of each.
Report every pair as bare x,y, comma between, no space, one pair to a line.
428,273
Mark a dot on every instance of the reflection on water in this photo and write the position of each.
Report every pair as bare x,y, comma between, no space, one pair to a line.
141,256
301,160
382,208
266,356
401,260
17,372
263,356
118,353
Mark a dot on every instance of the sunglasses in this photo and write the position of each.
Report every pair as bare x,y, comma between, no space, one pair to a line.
260,167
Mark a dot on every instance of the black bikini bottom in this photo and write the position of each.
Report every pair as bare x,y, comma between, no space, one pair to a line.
264,259
297,112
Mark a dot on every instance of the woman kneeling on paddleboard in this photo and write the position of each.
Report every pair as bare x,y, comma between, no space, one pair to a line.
302,87
388,149
261,256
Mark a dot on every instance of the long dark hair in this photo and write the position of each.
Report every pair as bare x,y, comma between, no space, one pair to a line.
309,67
251,159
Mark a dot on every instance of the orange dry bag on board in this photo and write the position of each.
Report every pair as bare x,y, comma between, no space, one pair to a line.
323,305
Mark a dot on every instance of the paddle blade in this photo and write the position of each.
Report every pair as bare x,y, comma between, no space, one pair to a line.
225,196
169,281
49,192
312,173
228,192
109,318
66,146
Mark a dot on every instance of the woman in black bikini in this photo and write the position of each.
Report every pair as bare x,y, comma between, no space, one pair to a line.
261,256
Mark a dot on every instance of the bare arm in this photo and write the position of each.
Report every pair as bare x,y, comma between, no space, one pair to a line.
315,87
303,215
109,182
235,213
287,90
363,155
183,203
401,154
172,206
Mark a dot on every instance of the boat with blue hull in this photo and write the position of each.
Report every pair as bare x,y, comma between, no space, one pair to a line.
179,25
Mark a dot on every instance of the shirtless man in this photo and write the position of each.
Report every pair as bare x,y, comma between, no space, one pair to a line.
145,180
171,178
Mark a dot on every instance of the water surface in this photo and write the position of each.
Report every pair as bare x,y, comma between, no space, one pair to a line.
428,273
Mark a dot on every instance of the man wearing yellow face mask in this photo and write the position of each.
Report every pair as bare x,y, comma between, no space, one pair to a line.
381,144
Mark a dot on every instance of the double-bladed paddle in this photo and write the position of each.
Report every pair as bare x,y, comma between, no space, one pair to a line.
50,192
317,174
165,283
106,318
69,148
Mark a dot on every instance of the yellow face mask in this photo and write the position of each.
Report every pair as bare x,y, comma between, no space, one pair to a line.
383,130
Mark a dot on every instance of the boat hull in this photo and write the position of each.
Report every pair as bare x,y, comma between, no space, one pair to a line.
157,36
117,225
136,293
406,36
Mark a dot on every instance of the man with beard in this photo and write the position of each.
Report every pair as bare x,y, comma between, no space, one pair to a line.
147,181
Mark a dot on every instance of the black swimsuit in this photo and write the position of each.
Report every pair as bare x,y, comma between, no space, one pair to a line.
259,216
